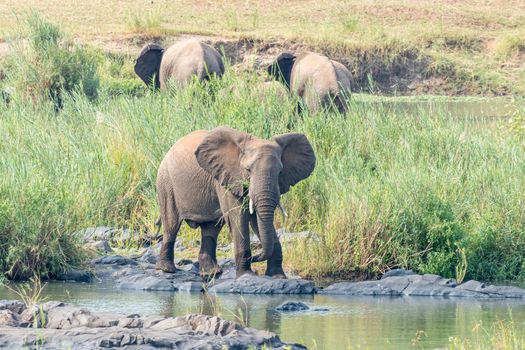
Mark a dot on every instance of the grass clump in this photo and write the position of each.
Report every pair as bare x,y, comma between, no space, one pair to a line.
46,65
502,335
145,21
510,45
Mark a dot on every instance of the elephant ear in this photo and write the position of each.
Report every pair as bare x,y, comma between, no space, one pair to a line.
281,69
298,159
220,153
148,64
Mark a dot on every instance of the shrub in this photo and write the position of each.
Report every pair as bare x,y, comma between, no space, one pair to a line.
46,64
509,45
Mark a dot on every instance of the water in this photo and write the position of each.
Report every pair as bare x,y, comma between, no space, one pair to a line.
367,322
477,108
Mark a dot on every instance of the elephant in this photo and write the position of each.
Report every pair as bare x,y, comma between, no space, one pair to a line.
209,178
178,63
318,80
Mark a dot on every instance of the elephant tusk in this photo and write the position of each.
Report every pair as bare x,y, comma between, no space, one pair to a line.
282,209
251,205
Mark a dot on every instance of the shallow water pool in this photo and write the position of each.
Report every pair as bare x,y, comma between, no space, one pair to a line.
361,322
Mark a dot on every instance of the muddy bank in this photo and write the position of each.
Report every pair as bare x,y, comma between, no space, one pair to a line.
55,324
384,70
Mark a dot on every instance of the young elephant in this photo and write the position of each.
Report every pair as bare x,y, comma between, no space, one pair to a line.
180,62
318,80
211,177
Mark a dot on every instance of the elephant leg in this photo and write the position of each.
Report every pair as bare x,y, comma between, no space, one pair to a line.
238,221
171,225
274,265
208,266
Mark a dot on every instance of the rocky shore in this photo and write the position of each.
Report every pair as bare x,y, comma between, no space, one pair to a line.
140,274
53,325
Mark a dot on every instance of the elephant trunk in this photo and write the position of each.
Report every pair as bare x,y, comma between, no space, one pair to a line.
265,211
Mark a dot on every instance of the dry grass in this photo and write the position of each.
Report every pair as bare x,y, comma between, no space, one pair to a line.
306,19
456,37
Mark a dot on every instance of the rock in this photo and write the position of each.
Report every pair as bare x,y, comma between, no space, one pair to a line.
492,291
150,256
74,275
96,233
422,285
289,306
101,246
65,316
183,262
9,318
367,288
130,322
114,259
68,326
189,268
145,282
228,269
115,235
12,305
143,277
397,272
194,287
253,284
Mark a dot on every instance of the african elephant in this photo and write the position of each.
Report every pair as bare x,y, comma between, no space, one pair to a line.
179,63
318,80
209,178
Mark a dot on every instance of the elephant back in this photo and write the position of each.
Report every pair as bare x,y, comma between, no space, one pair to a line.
188,58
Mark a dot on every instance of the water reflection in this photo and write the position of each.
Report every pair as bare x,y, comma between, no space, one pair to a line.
376,323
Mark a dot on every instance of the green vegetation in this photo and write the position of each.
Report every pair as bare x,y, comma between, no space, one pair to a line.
501,336
47,65
415,47
425,191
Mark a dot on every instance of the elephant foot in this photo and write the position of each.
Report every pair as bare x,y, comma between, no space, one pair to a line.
276,273
166,266
240,273
208,267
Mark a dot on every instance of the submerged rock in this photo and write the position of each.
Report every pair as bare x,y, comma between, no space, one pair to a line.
289,306
68,326
74,275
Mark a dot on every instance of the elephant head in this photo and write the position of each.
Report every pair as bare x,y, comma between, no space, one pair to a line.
147,65
281,69
260,169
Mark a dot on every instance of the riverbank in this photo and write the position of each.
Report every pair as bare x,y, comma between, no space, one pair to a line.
433,190
380,314
443,47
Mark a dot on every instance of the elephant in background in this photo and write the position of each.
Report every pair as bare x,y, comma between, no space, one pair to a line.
178,63
209,178
318,80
